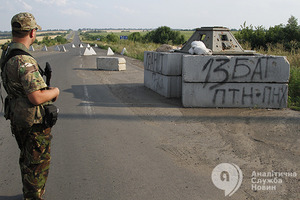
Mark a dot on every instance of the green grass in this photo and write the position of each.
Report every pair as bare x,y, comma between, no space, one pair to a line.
294,88
133,49
187,34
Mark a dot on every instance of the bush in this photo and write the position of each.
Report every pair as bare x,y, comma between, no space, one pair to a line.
164,35
112,38
136,37
61,40
51,42
92,37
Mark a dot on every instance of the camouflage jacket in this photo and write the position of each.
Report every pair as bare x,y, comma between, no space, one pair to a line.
20,76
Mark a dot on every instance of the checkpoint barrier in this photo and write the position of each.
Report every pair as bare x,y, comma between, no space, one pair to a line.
230,77
167,86
163,73
219,80
235,81
111,63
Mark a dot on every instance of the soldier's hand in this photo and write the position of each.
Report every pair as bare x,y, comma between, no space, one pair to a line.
54,88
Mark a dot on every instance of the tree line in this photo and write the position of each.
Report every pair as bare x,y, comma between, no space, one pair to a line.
258,37
161,35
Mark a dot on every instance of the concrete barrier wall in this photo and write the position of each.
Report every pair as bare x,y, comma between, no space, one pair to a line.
263,95
169,64
265,69
167,86
235,81
162,73
111,63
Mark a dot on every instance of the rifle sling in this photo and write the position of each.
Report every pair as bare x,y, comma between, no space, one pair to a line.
17,52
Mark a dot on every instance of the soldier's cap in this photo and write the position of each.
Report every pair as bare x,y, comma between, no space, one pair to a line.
24,22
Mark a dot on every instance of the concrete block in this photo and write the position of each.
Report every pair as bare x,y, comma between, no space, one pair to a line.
258,68
165,63
262,95
167,86
111,63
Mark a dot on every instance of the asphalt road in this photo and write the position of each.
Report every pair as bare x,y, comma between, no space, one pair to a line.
116,139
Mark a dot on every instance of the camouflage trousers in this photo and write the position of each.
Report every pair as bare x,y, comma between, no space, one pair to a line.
34,143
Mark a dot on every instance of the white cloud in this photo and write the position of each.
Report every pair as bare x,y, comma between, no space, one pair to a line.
91,6
75,12
25,6
53,2
126,9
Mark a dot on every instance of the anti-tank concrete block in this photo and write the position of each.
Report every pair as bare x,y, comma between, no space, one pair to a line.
258,68
165,63
167,86
261,95
111,63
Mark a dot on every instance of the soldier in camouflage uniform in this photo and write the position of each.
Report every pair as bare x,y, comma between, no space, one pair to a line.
27,94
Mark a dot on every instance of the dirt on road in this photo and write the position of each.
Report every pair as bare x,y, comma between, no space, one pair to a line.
259,141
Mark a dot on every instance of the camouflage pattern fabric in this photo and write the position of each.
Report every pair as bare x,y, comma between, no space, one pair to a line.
34,161
20,78
23,78
25,22
23,73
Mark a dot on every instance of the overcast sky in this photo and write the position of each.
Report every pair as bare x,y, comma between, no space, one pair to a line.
177,14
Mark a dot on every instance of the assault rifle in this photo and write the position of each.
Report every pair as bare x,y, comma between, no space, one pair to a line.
47,72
